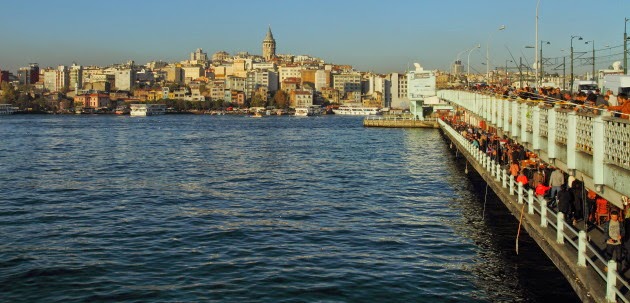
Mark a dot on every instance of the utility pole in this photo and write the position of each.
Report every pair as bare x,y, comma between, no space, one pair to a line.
564,72
625,47
520,71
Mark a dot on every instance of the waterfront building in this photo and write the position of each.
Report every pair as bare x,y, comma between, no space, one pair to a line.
322,79
174,73
289,71
348,84
290,84
29,74
124,79
397,95
91,100
217,89
421,85
269,46
235,83
300,98
88,71
191,73
264,66
100,82
330,94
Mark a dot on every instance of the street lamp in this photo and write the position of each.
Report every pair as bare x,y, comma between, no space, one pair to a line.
488,52
468,62
592,42
506,72
571,82
625,47
542,73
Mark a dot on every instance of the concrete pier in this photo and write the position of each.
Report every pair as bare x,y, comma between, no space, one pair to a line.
399,122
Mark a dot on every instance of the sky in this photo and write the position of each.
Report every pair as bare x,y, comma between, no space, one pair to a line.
379,36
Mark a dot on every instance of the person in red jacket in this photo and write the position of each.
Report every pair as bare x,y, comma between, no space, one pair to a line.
522,179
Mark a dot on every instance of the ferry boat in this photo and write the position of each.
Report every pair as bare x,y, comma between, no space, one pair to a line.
7,109
308,111
122,111
147,109
356,110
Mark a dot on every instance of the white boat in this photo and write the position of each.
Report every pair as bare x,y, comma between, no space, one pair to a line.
7,109
147,109
356,110
314,110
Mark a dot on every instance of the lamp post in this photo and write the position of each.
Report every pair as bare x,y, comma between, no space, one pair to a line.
542,72
468,62
536,45
502,27
592,42
625,47
571,81
506,72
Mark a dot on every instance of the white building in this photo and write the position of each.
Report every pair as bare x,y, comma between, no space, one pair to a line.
124,79
347,82
398,91
421,85
76,76
191,73
321,79
289,72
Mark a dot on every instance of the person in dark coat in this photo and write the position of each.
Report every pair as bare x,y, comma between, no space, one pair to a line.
578,202
565,203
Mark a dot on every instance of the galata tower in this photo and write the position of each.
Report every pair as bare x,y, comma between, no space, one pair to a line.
269,46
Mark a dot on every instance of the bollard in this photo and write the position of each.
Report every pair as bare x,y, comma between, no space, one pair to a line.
611,281
520,193
530,201
505,178
511,180
582,248
560,230
543,214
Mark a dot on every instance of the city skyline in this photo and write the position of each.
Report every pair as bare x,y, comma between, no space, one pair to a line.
364,34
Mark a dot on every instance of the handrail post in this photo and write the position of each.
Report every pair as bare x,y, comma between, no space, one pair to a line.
505,178
543,213
511,185
582,248
491,168
611,281
520,193
530,201
560,228
498,172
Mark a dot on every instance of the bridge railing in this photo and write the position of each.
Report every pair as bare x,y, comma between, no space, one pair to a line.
589,144
582,252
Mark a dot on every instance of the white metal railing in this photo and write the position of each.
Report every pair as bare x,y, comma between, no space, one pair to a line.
582,249
543,122
406,117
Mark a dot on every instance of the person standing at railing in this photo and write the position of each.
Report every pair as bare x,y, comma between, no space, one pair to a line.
556,180
614,231
623,107
565,203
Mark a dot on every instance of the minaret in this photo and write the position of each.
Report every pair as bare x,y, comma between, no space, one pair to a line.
269,46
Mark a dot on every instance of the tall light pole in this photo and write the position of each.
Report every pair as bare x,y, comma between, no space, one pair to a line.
488,53
536,45
468,62
542,72
571,80
506,71
592,42
625,47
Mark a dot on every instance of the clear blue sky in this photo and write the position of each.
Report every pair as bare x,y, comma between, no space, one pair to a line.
381,36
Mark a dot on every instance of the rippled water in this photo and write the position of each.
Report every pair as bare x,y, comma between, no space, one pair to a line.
233,209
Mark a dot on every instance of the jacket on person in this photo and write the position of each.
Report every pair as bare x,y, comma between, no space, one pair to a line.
622,230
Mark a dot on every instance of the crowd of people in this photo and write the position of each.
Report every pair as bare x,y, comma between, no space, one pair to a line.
563,193
592,102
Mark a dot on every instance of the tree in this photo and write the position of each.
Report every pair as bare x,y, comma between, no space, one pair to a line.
281,99
257,101
9,94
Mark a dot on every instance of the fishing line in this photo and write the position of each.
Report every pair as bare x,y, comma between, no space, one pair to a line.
520,222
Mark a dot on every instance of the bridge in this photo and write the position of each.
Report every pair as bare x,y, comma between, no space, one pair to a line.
592,147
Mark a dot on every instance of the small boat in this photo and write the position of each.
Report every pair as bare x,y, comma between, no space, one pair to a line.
257,115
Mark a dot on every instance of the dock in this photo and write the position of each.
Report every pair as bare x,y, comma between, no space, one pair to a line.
592,148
